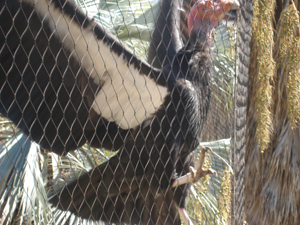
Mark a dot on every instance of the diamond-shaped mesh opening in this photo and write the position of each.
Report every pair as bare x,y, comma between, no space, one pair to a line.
106,104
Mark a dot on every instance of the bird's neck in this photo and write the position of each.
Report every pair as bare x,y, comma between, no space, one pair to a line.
200,61
203,29
200,25
193,61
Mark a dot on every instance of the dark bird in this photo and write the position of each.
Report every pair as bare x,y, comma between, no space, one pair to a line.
65,81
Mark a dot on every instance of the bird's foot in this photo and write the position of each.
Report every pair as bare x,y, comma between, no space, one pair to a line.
195,173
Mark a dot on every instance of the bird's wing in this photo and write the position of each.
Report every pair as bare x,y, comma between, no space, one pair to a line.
166,37
63,76
124,198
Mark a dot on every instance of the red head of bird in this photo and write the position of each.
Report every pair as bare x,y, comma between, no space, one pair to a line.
205,15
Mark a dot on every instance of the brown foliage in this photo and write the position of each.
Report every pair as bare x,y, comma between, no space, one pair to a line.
272,188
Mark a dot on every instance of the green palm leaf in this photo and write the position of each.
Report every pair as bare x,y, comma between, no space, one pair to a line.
22,193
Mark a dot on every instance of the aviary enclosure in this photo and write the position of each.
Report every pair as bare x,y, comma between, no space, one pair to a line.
123,112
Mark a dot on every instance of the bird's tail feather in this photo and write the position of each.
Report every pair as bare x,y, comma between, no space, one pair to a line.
107,193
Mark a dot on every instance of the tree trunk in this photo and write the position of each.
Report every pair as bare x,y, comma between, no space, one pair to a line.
239,116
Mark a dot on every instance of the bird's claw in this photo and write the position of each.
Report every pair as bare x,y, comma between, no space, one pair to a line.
195,173
193,176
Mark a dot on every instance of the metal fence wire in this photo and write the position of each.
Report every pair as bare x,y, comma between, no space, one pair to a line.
116,112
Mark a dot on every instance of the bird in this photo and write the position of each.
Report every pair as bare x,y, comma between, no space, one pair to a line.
65,81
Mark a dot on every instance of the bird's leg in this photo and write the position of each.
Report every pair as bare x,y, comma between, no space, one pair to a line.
185,217
193,176
195,173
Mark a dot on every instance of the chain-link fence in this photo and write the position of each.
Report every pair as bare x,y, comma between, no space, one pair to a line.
104,105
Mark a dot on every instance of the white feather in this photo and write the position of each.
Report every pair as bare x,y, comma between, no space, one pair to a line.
126,97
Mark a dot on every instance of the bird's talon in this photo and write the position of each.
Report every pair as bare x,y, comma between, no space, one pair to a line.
193,173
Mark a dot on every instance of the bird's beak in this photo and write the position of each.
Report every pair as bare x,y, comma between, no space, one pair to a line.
224,6
235,4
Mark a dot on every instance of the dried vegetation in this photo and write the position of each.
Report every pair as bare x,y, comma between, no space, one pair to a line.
272,188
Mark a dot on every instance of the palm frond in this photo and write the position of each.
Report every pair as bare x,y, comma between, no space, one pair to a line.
22,193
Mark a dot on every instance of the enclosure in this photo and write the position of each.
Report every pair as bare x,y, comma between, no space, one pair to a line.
113,154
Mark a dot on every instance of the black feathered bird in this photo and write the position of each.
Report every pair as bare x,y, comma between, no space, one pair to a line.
65,81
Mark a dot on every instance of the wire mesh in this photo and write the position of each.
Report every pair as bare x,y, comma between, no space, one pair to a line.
90,126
